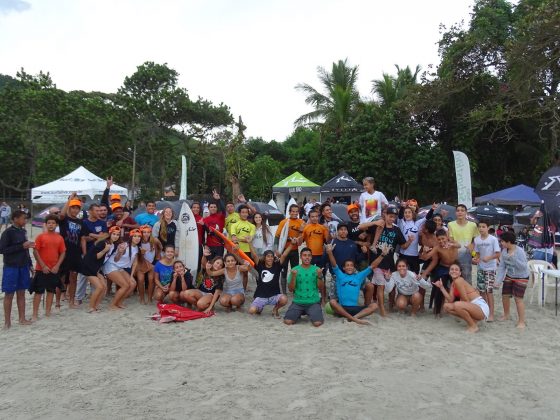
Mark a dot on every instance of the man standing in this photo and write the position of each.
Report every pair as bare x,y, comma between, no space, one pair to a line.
5,212
295,229
463,232
149,218
17,267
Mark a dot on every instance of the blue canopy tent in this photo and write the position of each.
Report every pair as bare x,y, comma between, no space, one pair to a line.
513,196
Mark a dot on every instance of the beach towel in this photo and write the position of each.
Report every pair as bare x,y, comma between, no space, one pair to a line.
169,312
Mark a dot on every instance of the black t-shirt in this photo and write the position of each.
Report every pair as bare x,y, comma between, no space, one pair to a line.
90,264
188,282
390,238
268,281
171,231
72,231
211,284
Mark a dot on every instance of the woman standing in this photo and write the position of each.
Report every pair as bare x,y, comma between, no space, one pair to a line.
263,239
150,252
91,267
166,230
120,258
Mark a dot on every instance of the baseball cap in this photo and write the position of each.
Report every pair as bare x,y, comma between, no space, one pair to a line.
134,232
115,206
74,202
146,228
351,207
114,229
115,197
391,210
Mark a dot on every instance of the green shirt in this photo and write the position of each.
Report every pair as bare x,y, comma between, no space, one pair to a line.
306,291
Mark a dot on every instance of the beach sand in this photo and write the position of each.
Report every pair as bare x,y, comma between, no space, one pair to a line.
120,365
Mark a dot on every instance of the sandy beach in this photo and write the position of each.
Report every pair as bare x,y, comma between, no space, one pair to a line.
121,365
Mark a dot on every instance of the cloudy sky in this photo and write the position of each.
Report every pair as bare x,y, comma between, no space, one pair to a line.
248,54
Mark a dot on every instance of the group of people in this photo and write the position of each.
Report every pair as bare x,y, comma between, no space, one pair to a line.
385,253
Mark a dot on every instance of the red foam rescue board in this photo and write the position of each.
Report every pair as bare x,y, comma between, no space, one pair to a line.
229,245
169,312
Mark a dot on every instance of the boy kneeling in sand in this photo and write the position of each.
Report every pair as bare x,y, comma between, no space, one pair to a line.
305,282
349,283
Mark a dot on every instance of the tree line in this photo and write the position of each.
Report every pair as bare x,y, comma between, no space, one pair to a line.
494,96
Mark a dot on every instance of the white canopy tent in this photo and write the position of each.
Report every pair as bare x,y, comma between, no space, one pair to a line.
82,181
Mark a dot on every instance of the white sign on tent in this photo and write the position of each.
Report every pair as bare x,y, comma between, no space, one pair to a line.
82,181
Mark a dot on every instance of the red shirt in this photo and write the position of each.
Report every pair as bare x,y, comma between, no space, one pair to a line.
49,246
200,228
217,221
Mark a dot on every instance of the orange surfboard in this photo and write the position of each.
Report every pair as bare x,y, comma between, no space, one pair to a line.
229,245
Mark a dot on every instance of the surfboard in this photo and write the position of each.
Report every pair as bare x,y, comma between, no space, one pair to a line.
229,245
272,203
284,236
188,239
292,201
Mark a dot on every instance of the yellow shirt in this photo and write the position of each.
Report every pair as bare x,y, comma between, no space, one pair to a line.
463,234
241,230
231,220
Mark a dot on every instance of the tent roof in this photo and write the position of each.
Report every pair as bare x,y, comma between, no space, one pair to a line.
296,182
82,181
518,195
342,183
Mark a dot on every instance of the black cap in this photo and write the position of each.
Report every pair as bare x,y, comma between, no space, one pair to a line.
391,210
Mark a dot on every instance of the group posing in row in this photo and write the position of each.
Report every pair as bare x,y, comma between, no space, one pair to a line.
138,254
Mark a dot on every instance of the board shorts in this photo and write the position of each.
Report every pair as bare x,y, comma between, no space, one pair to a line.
42,282
331,287
260,303
481,303
313,311
353,310
514,287
485,280
15,278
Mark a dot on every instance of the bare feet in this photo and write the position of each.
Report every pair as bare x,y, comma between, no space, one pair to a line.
472,329
34,319
503,318
275,313
7,325
490,319
521,325
121,306
113,308
362,321
73,306
25,322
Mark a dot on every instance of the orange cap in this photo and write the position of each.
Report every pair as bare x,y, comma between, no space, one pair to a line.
115,197
115,206
134,232
114,229
351,207
146,228
74,202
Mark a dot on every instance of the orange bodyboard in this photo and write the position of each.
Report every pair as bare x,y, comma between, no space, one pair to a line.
229,245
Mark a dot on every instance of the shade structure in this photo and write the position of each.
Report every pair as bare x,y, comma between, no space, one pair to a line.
296,183
342,185
518,195
548,190
81,181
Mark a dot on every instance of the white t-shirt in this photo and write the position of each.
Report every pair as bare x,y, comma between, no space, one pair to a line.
487,247
371,205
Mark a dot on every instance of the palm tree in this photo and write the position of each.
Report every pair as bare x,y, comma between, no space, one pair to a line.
334,107
391,89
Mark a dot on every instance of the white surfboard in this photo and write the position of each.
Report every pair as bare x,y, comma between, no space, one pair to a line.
272,203
283,236
188,239
292,201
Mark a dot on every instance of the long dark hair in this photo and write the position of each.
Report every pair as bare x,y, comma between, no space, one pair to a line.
264,227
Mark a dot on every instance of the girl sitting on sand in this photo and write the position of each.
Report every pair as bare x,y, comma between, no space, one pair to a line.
233,293
209,290
163,273
182,281
150,251
120,258
408,286
471,307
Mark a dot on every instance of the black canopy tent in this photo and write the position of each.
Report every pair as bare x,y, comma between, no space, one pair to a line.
342,187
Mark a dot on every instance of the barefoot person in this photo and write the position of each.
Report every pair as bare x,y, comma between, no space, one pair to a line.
149,253
463,232
209,290
306,280
268,291
92,263
487,249
164,273
182,281
349,283
514,274
408,286
17,266
471,307
49,253
233,292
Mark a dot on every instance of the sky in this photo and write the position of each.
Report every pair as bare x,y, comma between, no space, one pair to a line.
248,54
